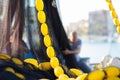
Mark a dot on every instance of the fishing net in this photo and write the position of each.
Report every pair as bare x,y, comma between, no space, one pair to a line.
12,28
21,19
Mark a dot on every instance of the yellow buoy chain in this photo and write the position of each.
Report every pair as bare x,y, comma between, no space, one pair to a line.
54,61
19,75
114,15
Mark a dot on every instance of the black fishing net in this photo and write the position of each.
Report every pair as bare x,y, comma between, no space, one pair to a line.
21,21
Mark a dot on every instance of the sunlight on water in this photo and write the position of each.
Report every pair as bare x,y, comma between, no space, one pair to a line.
96,51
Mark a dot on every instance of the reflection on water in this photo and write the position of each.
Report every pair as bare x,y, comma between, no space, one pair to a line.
96,51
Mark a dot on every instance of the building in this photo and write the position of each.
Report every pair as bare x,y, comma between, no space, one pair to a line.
100,23
80,26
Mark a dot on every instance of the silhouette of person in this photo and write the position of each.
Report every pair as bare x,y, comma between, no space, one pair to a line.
75,45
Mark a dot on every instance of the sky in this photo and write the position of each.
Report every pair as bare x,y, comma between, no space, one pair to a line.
74,10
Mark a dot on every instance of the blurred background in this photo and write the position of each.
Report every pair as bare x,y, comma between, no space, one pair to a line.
93,22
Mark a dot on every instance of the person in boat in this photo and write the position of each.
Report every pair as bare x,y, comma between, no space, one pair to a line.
75,44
